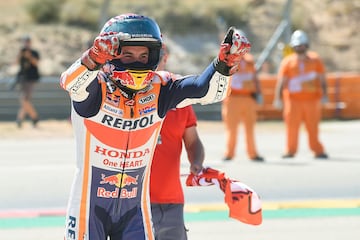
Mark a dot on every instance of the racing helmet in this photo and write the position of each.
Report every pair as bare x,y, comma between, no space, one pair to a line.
143,31
298,38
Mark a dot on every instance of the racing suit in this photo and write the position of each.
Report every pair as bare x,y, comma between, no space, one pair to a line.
116,134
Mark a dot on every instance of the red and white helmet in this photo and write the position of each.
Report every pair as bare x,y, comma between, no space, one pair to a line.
143,31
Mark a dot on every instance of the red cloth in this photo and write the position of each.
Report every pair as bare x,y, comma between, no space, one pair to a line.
165,184
243,202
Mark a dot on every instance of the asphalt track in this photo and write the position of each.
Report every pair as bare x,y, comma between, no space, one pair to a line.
328,223
302,198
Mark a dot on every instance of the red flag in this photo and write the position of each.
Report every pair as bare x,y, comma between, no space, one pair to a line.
243,202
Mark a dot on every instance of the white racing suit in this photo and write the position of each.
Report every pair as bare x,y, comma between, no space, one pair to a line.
115,139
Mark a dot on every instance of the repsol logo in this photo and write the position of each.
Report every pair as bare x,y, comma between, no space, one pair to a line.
128,124
147,99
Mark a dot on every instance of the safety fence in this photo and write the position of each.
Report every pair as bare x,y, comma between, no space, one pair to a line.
49,99
343,94
53,103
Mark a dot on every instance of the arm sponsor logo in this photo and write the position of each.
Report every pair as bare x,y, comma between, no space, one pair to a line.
81,80
221,88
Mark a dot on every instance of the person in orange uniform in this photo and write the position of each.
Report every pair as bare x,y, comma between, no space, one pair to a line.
240,106
166,193
300,90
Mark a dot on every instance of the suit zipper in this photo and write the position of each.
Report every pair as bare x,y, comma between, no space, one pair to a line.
117,209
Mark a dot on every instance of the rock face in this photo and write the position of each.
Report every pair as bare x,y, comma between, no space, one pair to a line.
332,27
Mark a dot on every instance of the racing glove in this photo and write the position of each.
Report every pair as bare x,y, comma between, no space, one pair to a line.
106,47
232,48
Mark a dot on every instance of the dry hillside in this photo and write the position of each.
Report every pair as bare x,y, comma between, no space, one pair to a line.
333,27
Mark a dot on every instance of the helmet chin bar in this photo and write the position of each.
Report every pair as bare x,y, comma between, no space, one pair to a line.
130,77
132,81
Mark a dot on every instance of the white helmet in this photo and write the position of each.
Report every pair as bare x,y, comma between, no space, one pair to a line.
299,37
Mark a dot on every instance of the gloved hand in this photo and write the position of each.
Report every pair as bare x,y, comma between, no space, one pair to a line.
105,47
277,104
233,47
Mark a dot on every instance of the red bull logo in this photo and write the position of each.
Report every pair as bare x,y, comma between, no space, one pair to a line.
112,99
119,180
129,180
124,77
103,193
